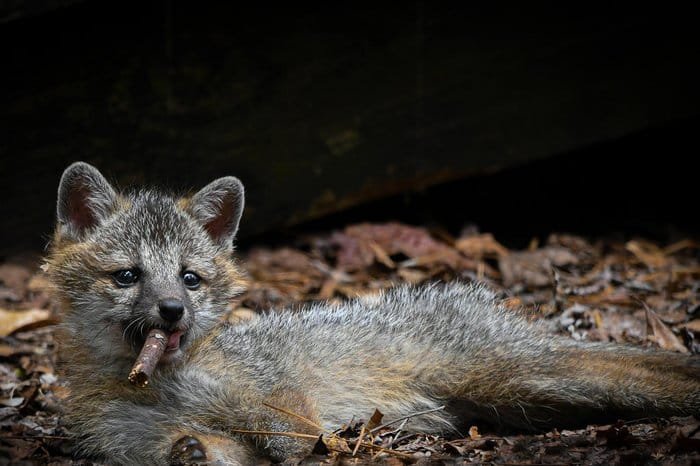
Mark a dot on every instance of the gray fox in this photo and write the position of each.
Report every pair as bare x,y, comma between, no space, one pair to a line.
122,264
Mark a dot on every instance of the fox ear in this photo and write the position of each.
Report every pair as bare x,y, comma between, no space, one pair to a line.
218,207
85,199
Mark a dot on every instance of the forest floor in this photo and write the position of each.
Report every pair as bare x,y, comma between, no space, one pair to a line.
635,292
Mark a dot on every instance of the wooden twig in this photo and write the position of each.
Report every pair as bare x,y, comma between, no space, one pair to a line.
387,451
406,437
398,431
147,360
359,440
394,436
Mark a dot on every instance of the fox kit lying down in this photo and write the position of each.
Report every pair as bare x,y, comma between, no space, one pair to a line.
125,263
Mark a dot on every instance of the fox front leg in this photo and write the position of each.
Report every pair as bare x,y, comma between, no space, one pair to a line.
211,449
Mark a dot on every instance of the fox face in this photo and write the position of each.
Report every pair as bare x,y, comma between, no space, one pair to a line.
126,263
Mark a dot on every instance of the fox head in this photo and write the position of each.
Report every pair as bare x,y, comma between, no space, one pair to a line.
124,263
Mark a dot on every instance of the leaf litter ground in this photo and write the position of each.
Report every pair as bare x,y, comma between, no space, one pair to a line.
635,292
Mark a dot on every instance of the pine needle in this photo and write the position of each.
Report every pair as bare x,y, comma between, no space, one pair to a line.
273,433
301,418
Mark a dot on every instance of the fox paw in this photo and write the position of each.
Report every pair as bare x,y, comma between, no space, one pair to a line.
187,450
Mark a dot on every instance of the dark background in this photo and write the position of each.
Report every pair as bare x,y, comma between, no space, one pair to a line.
517,120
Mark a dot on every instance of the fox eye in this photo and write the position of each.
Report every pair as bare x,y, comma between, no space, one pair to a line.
126,277
191,280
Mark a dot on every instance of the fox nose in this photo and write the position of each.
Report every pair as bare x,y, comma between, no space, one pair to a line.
171,309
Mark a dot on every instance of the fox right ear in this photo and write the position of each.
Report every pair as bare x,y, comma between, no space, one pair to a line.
85,199
218,207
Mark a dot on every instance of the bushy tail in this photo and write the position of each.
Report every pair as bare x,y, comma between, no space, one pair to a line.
574,384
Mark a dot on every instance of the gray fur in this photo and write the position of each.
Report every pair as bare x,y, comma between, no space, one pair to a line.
406,350
162,241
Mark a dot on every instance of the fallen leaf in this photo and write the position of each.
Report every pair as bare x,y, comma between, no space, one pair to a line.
597,318
615,435
360,245
337,443
456,448
681,245
20,449
241,315
13,350
648,253
12,402
39,282
11,321
15,277
327,289
48,378
534,268
660,334
693,325
484,245
320,447
375,420
381,255
412,275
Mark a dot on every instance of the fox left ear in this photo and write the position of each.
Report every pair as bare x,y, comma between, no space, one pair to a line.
218,207
85,200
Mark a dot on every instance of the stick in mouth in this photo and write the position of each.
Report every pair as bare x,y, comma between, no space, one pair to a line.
146,362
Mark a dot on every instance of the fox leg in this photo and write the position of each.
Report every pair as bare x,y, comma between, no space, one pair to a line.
192,447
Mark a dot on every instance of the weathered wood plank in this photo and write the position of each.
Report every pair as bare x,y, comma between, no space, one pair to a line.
320,106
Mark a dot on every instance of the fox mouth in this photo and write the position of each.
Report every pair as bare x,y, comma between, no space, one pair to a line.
177,339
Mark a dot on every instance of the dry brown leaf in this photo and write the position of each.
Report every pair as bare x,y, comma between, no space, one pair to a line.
659,333
15,277
693,325
474,433
38,283
647,253
11,321
12,350
357,246
597,318
320,447
609,295
336,443
484,245
12,402
680,271
512,302
534,268
381,255
375,420
680,245
327,289
241,315
412,275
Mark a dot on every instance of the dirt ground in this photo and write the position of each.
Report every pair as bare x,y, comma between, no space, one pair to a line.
635,291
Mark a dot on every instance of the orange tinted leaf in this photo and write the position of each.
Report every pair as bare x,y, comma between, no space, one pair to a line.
659,333
11,321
